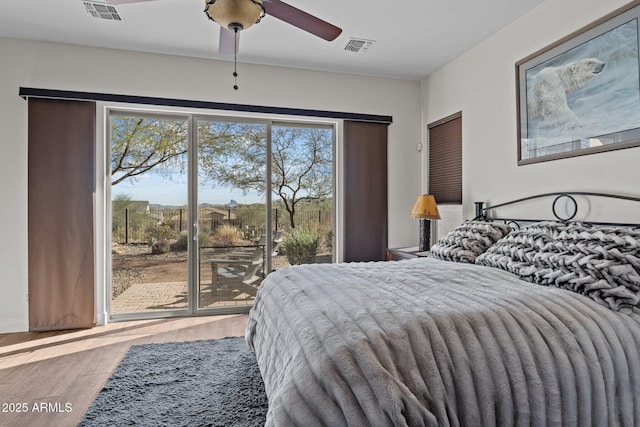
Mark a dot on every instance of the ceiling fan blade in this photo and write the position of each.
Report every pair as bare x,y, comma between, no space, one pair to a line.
227,41
125,1
301,19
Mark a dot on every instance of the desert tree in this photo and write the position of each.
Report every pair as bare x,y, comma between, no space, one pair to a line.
140,144
301,166
229,154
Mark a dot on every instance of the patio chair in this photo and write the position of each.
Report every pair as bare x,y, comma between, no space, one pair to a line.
238,269
277,239
275,247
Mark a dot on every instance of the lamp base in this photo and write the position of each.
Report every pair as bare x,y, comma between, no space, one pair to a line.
425,235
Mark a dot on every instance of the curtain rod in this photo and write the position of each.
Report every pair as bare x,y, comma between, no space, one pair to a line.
27,92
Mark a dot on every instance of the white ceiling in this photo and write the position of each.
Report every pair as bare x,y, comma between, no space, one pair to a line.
413,37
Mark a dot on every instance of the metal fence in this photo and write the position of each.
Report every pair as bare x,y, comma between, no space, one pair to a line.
144,226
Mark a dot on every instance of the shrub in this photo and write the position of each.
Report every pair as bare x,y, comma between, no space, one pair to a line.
204,239
327,234
301,246
160,247
182,244
160,236
162,233
226,235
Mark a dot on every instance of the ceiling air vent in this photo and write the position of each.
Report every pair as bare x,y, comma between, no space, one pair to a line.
358,45
102,11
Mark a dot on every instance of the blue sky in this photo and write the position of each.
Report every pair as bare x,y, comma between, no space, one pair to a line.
158,189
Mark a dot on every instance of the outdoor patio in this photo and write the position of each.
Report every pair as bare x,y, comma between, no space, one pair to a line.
152,283
141,297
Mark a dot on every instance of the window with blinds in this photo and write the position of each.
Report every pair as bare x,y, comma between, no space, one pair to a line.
445,159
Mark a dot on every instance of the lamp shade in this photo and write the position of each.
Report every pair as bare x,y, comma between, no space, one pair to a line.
235,14
425,208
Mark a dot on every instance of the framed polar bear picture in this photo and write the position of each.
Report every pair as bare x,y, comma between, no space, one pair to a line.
581,95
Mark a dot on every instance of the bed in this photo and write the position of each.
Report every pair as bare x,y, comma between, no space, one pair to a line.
532,325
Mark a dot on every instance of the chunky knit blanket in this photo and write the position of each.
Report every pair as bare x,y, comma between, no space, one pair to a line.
468,240
433,343
602,262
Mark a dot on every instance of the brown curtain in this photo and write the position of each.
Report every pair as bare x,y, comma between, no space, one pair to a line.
445,159
365,191
61,174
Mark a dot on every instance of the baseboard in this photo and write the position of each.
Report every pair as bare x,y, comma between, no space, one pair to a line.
8,326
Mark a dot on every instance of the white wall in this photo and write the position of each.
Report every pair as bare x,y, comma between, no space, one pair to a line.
65,67
481,84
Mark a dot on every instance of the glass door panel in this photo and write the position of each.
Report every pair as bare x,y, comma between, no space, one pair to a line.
149,189
231,199
203,208
302,187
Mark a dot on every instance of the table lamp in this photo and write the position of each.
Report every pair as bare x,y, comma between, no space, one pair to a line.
425,209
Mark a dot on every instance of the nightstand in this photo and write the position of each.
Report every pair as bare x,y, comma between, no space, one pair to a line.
396,254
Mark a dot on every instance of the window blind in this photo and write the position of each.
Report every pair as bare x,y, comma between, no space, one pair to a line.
445,159
61,170
365,191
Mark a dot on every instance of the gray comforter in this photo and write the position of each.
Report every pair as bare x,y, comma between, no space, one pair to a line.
433,343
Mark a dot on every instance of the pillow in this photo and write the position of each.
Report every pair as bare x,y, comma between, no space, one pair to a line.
519,251
468,240
601,262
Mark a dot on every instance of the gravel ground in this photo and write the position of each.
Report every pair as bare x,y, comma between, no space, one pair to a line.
123,277
130,264
135,264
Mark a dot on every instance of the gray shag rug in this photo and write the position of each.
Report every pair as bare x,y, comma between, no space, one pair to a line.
197,383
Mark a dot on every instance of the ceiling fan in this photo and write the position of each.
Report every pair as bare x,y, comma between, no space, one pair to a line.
236,15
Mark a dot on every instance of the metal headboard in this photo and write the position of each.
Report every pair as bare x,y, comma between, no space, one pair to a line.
483,213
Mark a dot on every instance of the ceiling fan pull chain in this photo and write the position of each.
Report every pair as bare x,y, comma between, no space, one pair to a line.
235,59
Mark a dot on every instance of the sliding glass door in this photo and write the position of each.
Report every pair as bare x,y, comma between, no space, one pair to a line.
302,185
149,212
231,210
203,208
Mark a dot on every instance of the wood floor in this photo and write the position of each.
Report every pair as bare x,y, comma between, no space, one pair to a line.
51,378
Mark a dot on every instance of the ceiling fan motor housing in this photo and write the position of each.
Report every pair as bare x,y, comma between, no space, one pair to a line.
235,15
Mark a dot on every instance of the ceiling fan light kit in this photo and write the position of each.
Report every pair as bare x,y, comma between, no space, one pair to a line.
238,15
235,15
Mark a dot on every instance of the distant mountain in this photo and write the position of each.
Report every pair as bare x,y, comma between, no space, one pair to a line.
157,206
232,204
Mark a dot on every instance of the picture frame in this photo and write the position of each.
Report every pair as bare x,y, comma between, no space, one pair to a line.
581,95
